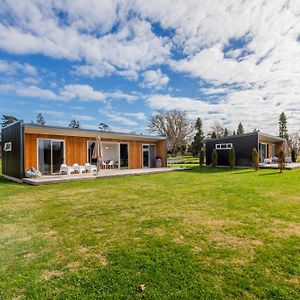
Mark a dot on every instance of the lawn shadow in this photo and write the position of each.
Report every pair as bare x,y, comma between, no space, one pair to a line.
268,174
6,181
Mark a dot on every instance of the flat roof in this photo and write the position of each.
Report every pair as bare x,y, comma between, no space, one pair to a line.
58,130
260,134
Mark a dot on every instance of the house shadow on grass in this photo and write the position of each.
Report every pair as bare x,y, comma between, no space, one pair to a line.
6,181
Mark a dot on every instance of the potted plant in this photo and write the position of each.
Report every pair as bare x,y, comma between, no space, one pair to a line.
158,162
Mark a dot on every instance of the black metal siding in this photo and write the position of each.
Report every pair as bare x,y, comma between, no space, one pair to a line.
243,146
13,161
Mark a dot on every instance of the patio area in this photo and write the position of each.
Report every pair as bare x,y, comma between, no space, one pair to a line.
49,179
289,166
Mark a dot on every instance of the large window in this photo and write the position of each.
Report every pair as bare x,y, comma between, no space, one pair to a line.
224,146
50,156
123,155
148,156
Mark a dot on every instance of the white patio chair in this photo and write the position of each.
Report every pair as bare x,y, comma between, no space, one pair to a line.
79,169
66,169
90,168
104,165
111,164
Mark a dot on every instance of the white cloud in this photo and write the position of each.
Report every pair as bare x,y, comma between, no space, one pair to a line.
13,67
120,119
138,115
81,91
83,117
154,79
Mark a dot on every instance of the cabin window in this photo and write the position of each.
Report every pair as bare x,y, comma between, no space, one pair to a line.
224,146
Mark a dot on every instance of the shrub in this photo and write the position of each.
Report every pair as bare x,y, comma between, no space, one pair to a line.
294,155
281,161
214,159
255,159
201,157
232,158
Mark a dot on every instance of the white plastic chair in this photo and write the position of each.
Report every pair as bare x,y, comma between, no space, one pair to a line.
65,169
111,164
104,165
79,169
90,168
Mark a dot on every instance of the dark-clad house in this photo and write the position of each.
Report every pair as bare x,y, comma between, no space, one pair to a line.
267,145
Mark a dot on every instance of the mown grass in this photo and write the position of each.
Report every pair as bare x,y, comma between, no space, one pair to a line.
193,234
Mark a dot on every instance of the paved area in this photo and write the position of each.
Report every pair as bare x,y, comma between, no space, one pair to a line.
290,166
103,174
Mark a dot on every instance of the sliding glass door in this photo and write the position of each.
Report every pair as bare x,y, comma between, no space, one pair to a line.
148,156
50,156
124,156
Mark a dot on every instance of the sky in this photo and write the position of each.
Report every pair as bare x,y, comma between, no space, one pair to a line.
119,62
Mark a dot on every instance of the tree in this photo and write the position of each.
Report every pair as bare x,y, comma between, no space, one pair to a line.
240,129
226,132
232,158
219,130
214,159
197,143
294,155
255,159
281,161
7,120
201,157
104,127
74,124
40,120
294,142
175,125
283,131
213,135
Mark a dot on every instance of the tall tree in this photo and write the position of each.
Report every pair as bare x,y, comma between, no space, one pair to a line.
220,131
197,143
74,124
240,129
283,131
255,159
213,135
104,126
7,120
231,158
175,125
40,120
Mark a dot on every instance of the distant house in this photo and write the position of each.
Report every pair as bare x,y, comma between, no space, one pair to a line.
267,145
46,148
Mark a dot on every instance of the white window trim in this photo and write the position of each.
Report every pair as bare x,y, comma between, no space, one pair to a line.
227,146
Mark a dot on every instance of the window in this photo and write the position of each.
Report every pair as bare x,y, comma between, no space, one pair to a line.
90,149
7,147
224,146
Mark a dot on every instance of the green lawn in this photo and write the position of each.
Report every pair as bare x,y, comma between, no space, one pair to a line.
194,234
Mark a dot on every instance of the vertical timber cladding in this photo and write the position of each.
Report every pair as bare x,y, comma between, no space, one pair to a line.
242,144
13,150
76,149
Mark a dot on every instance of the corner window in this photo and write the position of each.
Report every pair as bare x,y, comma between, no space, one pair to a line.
224,146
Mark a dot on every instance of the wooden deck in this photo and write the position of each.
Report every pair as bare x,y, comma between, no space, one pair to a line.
103,174
289,166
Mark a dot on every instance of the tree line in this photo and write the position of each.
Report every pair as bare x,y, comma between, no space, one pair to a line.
183,135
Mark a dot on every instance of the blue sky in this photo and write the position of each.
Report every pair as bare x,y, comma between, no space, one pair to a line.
120,61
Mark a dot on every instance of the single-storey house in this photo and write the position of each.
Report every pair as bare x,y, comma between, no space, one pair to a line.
267,145
46,148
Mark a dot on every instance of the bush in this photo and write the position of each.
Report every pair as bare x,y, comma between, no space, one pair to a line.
255,159
281,161
232,158
201,157
294,155
214,159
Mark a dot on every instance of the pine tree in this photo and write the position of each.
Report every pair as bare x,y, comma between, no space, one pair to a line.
240,129
232,158
255,159
201,157
213,135
214,159
40,120
226,132
283,131
197,144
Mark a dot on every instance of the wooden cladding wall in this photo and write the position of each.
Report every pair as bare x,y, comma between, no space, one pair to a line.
76,149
